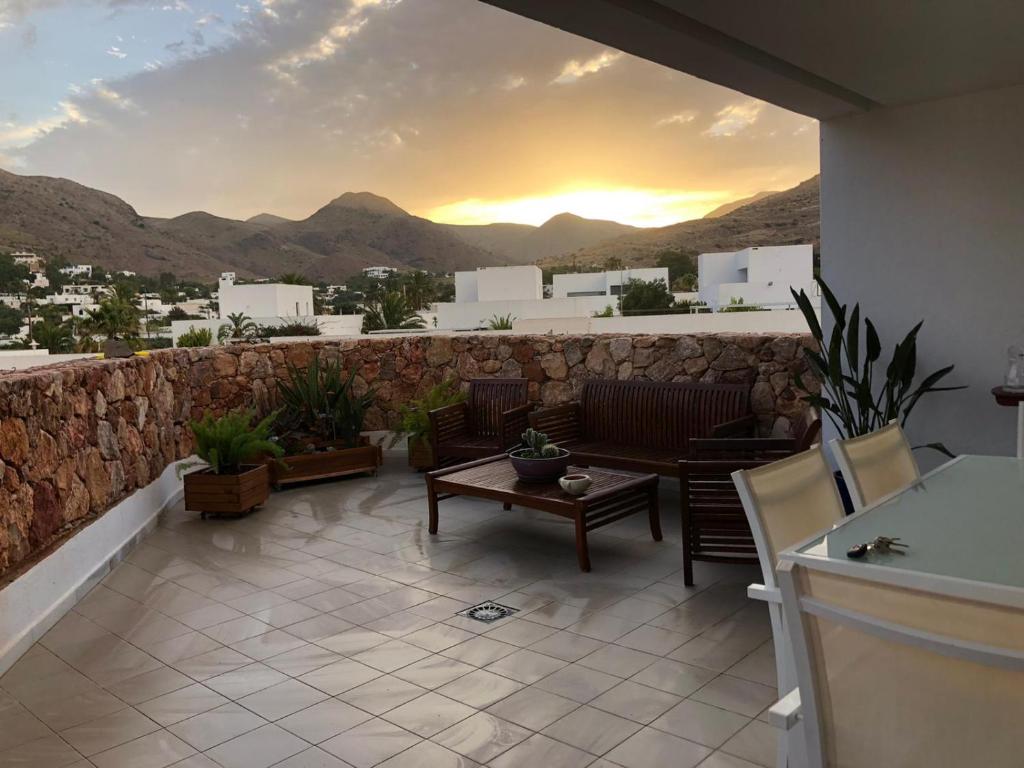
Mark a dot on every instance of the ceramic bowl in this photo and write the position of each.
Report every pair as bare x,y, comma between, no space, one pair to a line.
576,484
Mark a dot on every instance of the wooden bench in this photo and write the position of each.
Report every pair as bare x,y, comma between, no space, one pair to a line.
645,426
488,422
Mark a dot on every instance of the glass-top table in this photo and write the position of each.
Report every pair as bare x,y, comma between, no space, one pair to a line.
964,523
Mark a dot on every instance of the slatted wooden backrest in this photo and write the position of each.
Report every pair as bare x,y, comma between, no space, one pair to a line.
658,414
489,398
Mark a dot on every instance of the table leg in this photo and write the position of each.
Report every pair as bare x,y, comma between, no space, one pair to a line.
432,504
506,506
582,552
652,501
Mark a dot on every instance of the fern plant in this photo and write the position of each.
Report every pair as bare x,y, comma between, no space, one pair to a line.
228,442
414,417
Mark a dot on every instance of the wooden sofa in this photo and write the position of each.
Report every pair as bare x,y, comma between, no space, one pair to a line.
645,426
490,421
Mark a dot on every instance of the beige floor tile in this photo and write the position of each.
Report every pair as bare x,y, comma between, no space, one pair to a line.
540,750
755,743
636,609
196,761
635,702
520,632
46,752
604,627
340,676
567,646
370,743
269,644
259,601
533,708
722,760
209,616
74,709
382,694
556,615
236,630
580,684
207,730
183,647
303,659
701,723
314,757
155,750
437,637
260,748
213,663
149,685
181,704
482,737
427,754
652,640
18,725
353,641
618,661
429,714
592,730
282,699
480,689
653,749
392,655
109,731
480,651
526,666
318,627
331,600
736,695
758,666
674,677
324,720
245,680
434,671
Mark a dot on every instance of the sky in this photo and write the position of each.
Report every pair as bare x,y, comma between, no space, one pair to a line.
455,110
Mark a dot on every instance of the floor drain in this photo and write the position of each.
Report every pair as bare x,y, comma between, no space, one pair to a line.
487,612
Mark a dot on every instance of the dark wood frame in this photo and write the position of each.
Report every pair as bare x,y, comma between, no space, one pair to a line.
489,421
302,467
228,495
634,494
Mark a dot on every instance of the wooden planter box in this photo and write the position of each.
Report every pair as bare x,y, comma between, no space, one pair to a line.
230,495
421,455
318,466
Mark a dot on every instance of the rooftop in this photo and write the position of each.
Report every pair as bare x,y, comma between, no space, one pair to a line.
322,631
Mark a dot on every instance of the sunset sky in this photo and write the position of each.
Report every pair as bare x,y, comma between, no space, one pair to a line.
454,110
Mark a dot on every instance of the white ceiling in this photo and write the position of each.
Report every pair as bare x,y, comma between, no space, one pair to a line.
823,58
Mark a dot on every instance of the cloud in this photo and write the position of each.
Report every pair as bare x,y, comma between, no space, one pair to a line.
574,69
14,135
735,118
110,96
679,118
511,82
116,52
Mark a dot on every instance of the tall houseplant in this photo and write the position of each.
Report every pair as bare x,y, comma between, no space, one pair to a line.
232,448
414,421
854,402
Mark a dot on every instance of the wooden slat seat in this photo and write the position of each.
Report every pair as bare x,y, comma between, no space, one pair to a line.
644,425
490,421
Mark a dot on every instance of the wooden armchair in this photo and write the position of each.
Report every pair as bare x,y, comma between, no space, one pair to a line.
488,422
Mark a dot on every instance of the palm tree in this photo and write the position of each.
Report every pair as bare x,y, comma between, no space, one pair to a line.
390,312
419,289
54,337
238,328
114,318
293,278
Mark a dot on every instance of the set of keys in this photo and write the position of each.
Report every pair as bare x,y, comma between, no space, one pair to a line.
884,545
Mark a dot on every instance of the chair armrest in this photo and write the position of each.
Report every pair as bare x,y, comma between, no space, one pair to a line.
513,423
446,423
745,426
785,713
560,423
763,593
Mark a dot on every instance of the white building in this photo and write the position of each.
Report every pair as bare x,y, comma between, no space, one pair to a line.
761,276
603,283
379,273
263,299
28,259
77,295
77,270
499,284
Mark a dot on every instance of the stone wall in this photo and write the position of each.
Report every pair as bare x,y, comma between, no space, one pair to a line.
77,438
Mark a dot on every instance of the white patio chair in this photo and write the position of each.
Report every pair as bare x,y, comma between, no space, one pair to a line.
876,464
900,678
786,502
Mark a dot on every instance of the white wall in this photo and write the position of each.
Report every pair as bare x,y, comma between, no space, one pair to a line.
760,275
455,316
465,287
265,300
603,282
922,218
330,325
780,321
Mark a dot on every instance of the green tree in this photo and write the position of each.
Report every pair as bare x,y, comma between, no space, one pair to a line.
390,312
56,337
686,282
645,295
419,289
613,264
678,263
114,318
11,320
12,275
239,327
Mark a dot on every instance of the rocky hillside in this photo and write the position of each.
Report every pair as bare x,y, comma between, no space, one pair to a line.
524,244
783,218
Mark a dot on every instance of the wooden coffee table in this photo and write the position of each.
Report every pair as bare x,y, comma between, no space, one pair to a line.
611,497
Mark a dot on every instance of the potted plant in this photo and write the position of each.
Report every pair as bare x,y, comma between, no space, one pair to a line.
414,422
320,425
539,461
235,479
855,403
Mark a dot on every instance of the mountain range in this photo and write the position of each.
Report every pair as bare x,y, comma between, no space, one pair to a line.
61,218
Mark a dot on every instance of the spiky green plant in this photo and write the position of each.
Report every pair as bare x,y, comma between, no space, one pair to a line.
414,416
320,401
227,442
196,337
500,323
849,394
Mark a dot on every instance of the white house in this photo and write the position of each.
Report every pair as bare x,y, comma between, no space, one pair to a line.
263,299
761,275
77,270
379,273
499,284
603,283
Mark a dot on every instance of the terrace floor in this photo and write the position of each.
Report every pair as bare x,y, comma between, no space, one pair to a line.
321,632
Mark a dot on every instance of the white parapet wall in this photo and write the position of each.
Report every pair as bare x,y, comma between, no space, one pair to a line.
330,325
778,321
475,314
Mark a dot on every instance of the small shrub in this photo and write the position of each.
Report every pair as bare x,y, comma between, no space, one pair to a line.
497,323
196,337
228,442
296,328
